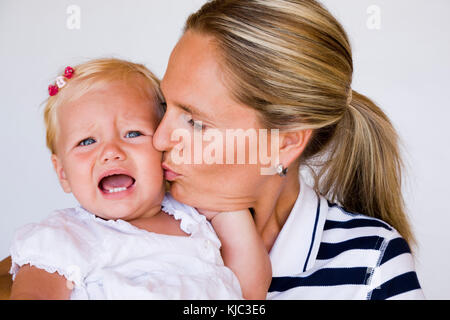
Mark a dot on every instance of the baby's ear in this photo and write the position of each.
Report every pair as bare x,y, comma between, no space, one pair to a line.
59,169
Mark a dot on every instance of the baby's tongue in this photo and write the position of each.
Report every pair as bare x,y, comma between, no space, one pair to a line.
116,181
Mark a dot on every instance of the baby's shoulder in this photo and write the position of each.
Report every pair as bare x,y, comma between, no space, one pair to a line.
62,228
57,243
64,216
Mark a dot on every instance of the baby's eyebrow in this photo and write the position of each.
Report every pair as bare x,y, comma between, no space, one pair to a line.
79,131
138,121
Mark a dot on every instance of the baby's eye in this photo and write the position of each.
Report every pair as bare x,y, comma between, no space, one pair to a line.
133,134
86,142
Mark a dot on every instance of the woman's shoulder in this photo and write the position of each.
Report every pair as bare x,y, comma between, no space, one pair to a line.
342,223
362,240
351,256
344,230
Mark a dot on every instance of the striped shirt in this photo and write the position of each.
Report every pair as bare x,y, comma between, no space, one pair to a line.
325,252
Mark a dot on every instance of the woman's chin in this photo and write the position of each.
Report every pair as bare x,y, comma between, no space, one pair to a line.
190,196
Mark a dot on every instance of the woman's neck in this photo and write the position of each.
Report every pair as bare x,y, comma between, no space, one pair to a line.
274,205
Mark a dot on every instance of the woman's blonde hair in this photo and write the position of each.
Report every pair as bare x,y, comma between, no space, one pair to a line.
97,72
291,60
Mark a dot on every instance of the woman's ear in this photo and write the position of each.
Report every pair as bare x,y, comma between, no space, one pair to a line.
59,169
292,144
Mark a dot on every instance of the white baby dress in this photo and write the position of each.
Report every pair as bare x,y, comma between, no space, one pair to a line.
112,259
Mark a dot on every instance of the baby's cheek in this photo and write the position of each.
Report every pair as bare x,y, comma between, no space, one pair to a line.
152,156
83,191
80,181
150,164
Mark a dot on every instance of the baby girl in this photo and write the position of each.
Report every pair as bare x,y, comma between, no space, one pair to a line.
128,238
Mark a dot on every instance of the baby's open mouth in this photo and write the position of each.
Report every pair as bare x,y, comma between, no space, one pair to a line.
116,183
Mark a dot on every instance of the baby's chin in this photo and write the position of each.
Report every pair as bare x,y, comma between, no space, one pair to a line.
129,207
114,214
124,209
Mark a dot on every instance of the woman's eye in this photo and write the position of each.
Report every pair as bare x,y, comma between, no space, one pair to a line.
133,134
198,125
86,142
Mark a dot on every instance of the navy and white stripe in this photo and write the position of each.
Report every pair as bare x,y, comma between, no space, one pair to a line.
325,252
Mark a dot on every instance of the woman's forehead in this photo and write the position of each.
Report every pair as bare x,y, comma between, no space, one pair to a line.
193,65
195,78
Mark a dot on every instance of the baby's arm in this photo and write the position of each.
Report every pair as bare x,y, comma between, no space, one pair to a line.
243,251
32,283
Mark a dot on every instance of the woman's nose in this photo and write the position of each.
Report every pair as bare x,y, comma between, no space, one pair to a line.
112,152
161,138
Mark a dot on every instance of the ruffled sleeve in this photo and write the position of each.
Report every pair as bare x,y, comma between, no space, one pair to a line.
191,221
61,243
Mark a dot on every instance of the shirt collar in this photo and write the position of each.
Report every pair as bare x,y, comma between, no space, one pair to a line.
296,247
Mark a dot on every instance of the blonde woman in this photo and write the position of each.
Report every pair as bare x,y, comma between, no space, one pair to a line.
287,65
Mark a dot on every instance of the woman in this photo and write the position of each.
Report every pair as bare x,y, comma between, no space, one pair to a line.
287,65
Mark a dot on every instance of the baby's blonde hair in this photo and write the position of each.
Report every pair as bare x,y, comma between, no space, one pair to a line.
94,72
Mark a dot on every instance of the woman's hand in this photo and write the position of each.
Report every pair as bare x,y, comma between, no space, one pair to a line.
242,250
209,214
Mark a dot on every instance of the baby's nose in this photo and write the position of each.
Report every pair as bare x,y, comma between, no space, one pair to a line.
112,153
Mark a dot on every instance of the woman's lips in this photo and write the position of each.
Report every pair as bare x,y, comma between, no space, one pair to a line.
169,174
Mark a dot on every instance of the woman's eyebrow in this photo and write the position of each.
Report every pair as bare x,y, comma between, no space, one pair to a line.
188,108
194,111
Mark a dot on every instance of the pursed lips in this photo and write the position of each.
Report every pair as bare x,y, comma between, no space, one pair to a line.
169,174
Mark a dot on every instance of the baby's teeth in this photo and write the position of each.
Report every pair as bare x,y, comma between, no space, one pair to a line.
117,190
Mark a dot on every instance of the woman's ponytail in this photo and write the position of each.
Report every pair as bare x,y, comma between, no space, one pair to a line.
363,170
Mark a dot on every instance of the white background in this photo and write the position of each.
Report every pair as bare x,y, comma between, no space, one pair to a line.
404,67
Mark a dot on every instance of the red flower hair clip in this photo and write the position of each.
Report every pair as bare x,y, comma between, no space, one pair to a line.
68,72
52,90
60,82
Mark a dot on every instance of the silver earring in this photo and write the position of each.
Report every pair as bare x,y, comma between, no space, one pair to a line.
281,171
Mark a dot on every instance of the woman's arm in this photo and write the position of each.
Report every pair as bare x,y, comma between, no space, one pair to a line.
243,252
32,283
